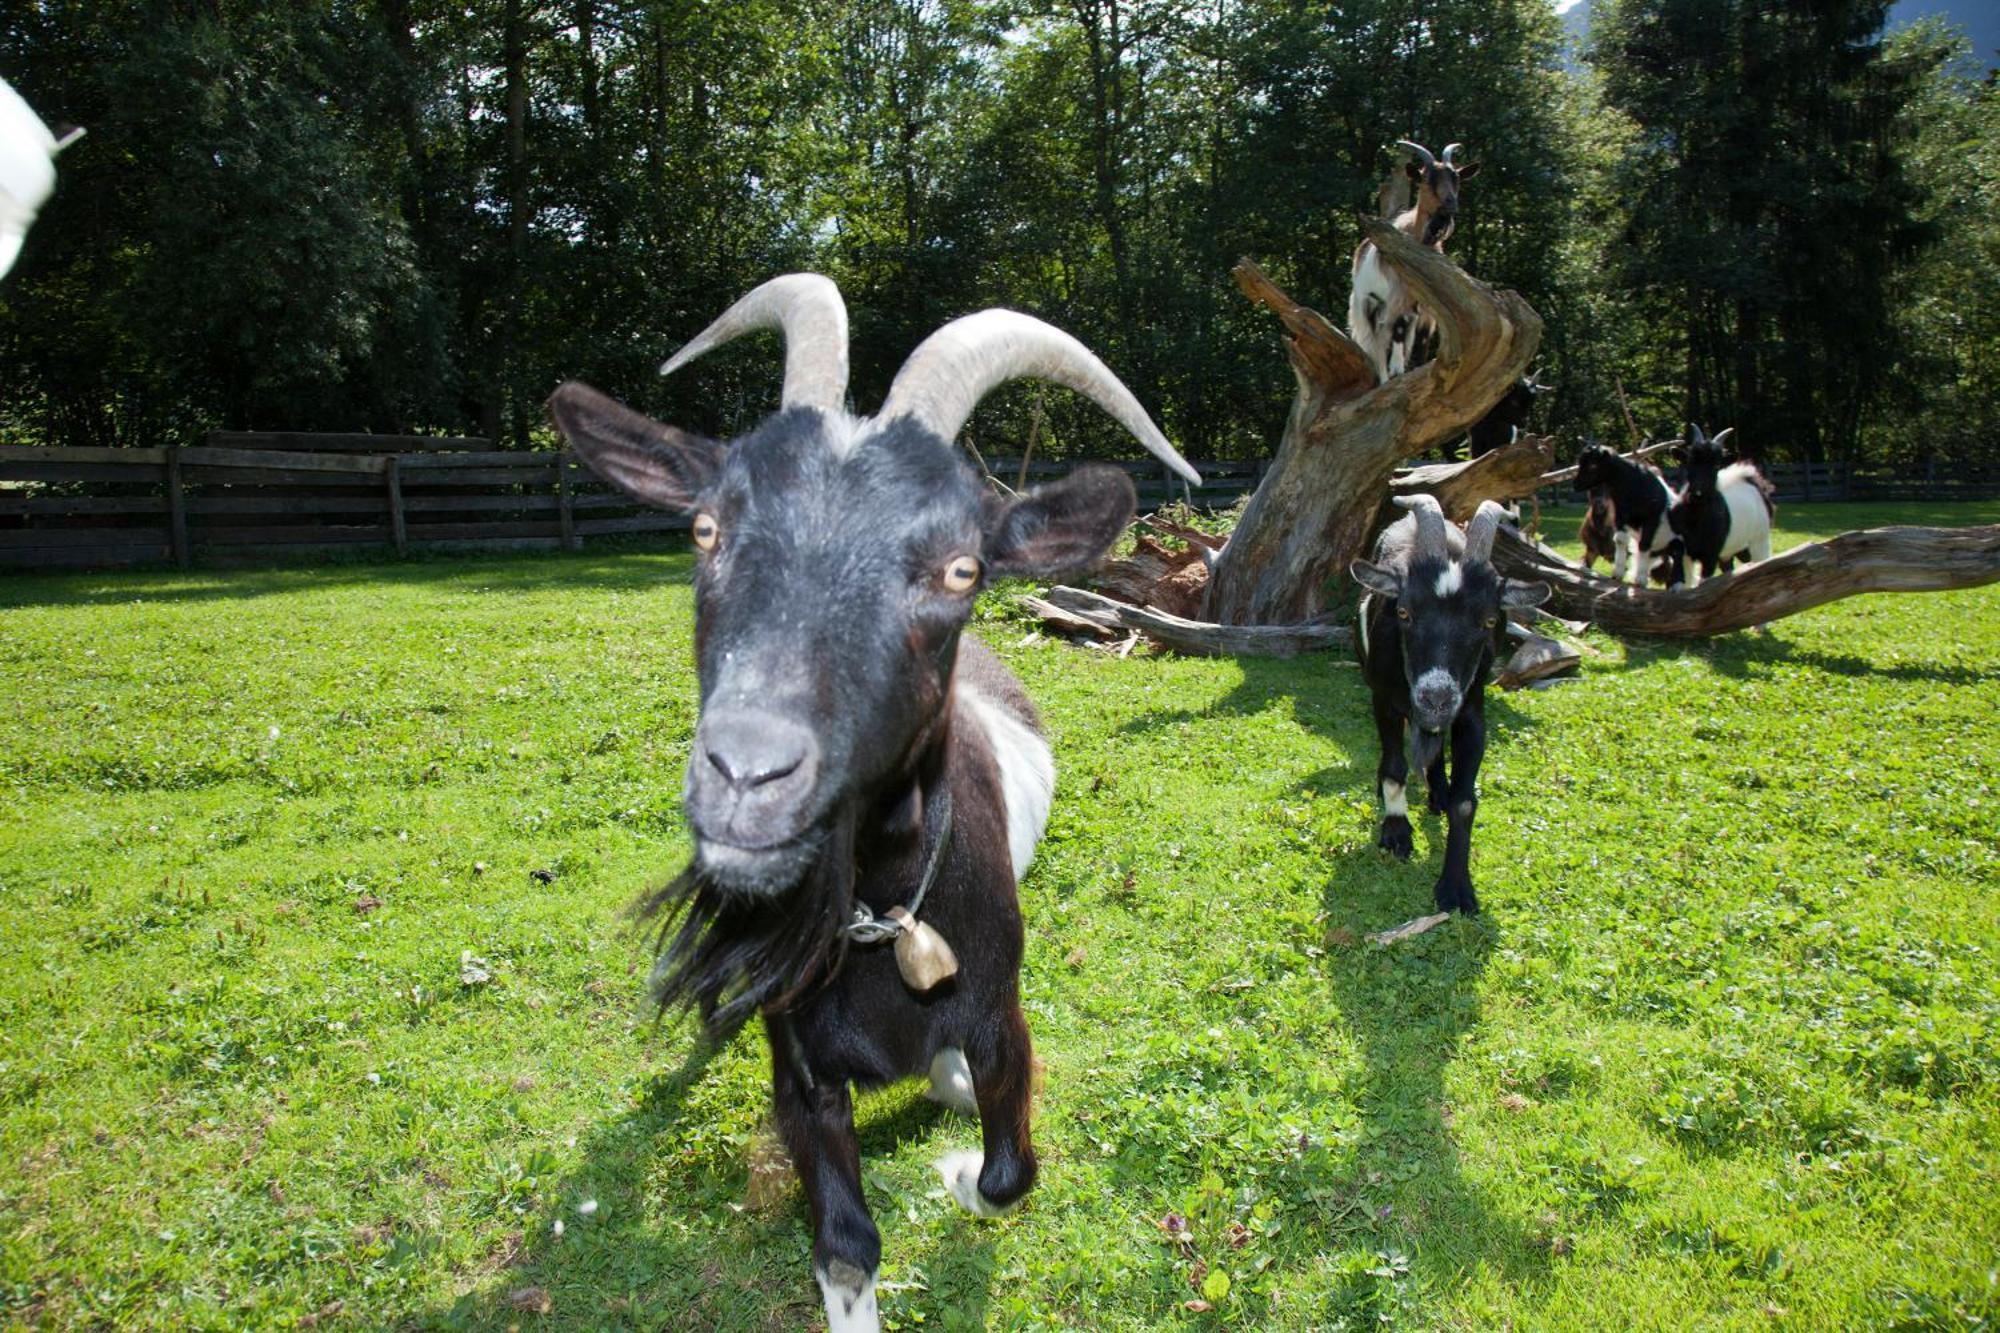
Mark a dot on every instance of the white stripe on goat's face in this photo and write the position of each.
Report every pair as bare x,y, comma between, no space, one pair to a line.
1027,771
1450,579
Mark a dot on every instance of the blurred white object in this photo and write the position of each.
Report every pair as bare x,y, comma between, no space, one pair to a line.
27,170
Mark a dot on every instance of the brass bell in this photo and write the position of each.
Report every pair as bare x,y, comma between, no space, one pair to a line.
922,956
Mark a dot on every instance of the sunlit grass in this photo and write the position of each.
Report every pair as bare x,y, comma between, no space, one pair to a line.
319,998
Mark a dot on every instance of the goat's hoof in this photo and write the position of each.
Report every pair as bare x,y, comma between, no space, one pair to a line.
1436,801
1395,837
1455,895
960,1171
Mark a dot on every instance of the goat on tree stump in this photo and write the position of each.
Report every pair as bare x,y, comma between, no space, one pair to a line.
1384,316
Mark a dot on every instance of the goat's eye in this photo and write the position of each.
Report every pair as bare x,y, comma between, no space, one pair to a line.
961,573
1491,621
706,532
1402,613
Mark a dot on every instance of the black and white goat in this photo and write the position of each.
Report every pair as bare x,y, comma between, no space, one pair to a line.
1432,619
1382,314
1639,498
1724,512
861,773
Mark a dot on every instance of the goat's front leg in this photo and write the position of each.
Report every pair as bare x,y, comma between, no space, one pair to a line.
1468,747
817,1125
1620,546
1001,1059
1642,562
1391,776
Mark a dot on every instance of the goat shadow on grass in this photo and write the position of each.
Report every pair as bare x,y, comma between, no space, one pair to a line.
1412,1007
1748,656
717,1257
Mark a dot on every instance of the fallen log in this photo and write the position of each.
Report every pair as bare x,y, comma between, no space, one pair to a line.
1511,472
1872,560
1105,616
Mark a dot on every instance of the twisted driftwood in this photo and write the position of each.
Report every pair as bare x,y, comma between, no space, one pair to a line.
1874,560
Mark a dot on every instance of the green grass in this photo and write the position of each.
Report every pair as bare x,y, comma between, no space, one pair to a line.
1721,1052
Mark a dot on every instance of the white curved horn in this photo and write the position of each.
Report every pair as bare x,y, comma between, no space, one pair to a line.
1419,151
1431,540
1450,152
950,371
806,308
1480,531
1721,437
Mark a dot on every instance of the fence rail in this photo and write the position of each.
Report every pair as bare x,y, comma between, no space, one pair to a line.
243,494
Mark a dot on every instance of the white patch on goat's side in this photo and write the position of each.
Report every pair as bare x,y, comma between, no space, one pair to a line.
1027,773
850,1300
951,1082
1367,605
961,1176
1451,580
1393,801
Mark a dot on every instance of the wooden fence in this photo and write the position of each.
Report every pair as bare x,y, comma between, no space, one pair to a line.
251,494
243,495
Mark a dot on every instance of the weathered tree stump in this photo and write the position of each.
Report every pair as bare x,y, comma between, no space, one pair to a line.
1317,508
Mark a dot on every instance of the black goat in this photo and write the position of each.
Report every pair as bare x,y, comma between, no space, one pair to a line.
1640,499
1506,418
1432,619
1724,512
860,772
1599,535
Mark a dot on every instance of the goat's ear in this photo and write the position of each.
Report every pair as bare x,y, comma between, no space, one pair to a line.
1517,593
1062,528
1375,578
656,464
1467,172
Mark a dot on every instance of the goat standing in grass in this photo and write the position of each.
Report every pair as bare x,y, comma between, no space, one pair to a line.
1725,512
1639,500
1382,314
861,774
1431,622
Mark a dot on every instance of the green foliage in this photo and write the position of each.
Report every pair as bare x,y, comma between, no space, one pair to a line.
405,215
320,999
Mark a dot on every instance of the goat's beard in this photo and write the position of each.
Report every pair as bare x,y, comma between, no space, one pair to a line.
727,954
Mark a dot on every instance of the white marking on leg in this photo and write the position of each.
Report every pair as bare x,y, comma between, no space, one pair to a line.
951,1082
961,1176
1618,548
850,1299
1393,800
1464,810
1693,573
1027,773
1450,580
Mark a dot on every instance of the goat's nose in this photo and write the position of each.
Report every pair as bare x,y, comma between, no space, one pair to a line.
750,750
1435,697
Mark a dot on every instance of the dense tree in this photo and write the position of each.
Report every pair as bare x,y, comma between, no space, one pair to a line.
401,214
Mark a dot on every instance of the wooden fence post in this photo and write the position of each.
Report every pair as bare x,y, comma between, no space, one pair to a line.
177,521
565,511
392,472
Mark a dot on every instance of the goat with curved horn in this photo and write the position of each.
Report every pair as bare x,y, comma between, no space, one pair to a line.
806,308
1451,152
950,371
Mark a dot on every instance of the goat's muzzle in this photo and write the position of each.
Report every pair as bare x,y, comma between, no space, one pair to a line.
750,788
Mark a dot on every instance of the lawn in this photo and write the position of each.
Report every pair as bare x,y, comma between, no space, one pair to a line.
321,1006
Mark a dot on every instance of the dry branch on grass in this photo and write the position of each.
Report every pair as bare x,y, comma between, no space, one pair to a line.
1874,560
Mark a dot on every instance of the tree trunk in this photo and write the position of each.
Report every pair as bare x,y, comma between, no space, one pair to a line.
1875,560
1317,508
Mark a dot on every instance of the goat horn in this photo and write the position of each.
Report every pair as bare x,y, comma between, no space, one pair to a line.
1451,151
806,308
1421,151
950,371
1479,533
1430,525
1722,435
1694,434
